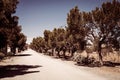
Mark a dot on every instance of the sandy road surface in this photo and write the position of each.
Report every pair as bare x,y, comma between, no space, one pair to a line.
30,65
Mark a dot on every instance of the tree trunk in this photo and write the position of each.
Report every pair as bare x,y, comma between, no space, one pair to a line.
13,50
100,56
99,49
52,54
5,49
58,54
64,50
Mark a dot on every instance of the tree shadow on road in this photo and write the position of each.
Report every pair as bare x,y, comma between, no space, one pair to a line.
21,55
15,70
97,64
111,64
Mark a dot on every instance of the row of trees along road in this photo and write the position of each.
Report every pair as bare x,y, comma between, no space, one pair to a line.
97,27
10,31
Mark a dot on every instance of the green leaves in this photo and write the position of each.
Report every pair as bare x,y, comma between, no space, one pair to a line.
9,25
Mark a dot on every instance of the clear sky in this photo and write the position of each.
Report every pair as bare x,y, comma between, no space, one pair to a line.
37,15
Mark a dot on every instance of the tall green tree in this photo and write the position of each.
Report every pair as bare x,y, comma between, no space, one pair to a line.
76,27
9,25
7,8
21,42
106,18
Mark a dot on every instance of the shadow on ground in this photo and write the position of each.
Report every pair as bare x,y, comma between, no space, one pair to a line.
97,64
15,70
111,64
21,55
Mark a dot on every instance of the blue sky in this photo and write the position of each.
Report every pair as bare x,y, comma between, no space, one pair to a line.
37,15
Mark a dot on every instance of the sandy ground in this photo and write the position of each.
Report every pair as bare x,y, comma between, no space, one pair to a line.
30,65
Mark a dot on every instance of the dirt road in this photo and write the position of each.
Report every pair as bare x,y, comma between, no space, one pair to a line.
30,65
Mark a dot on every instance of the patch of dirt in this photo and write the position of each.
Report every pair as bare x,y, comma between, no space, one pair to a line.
113,73
111,69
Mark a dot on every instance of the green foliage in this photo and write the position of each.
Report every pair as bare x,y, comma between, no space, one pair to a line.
38,44
107,18
9,30
76,26
21,41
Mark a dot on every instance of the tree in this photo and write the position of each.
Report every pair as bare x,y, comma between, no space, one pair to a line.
7,8
106,18
97,27
38,44
76,27
21,42
47,36
9,24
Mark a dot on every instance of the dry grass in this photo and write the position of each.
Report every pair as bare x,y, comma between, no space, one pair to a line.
112,56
